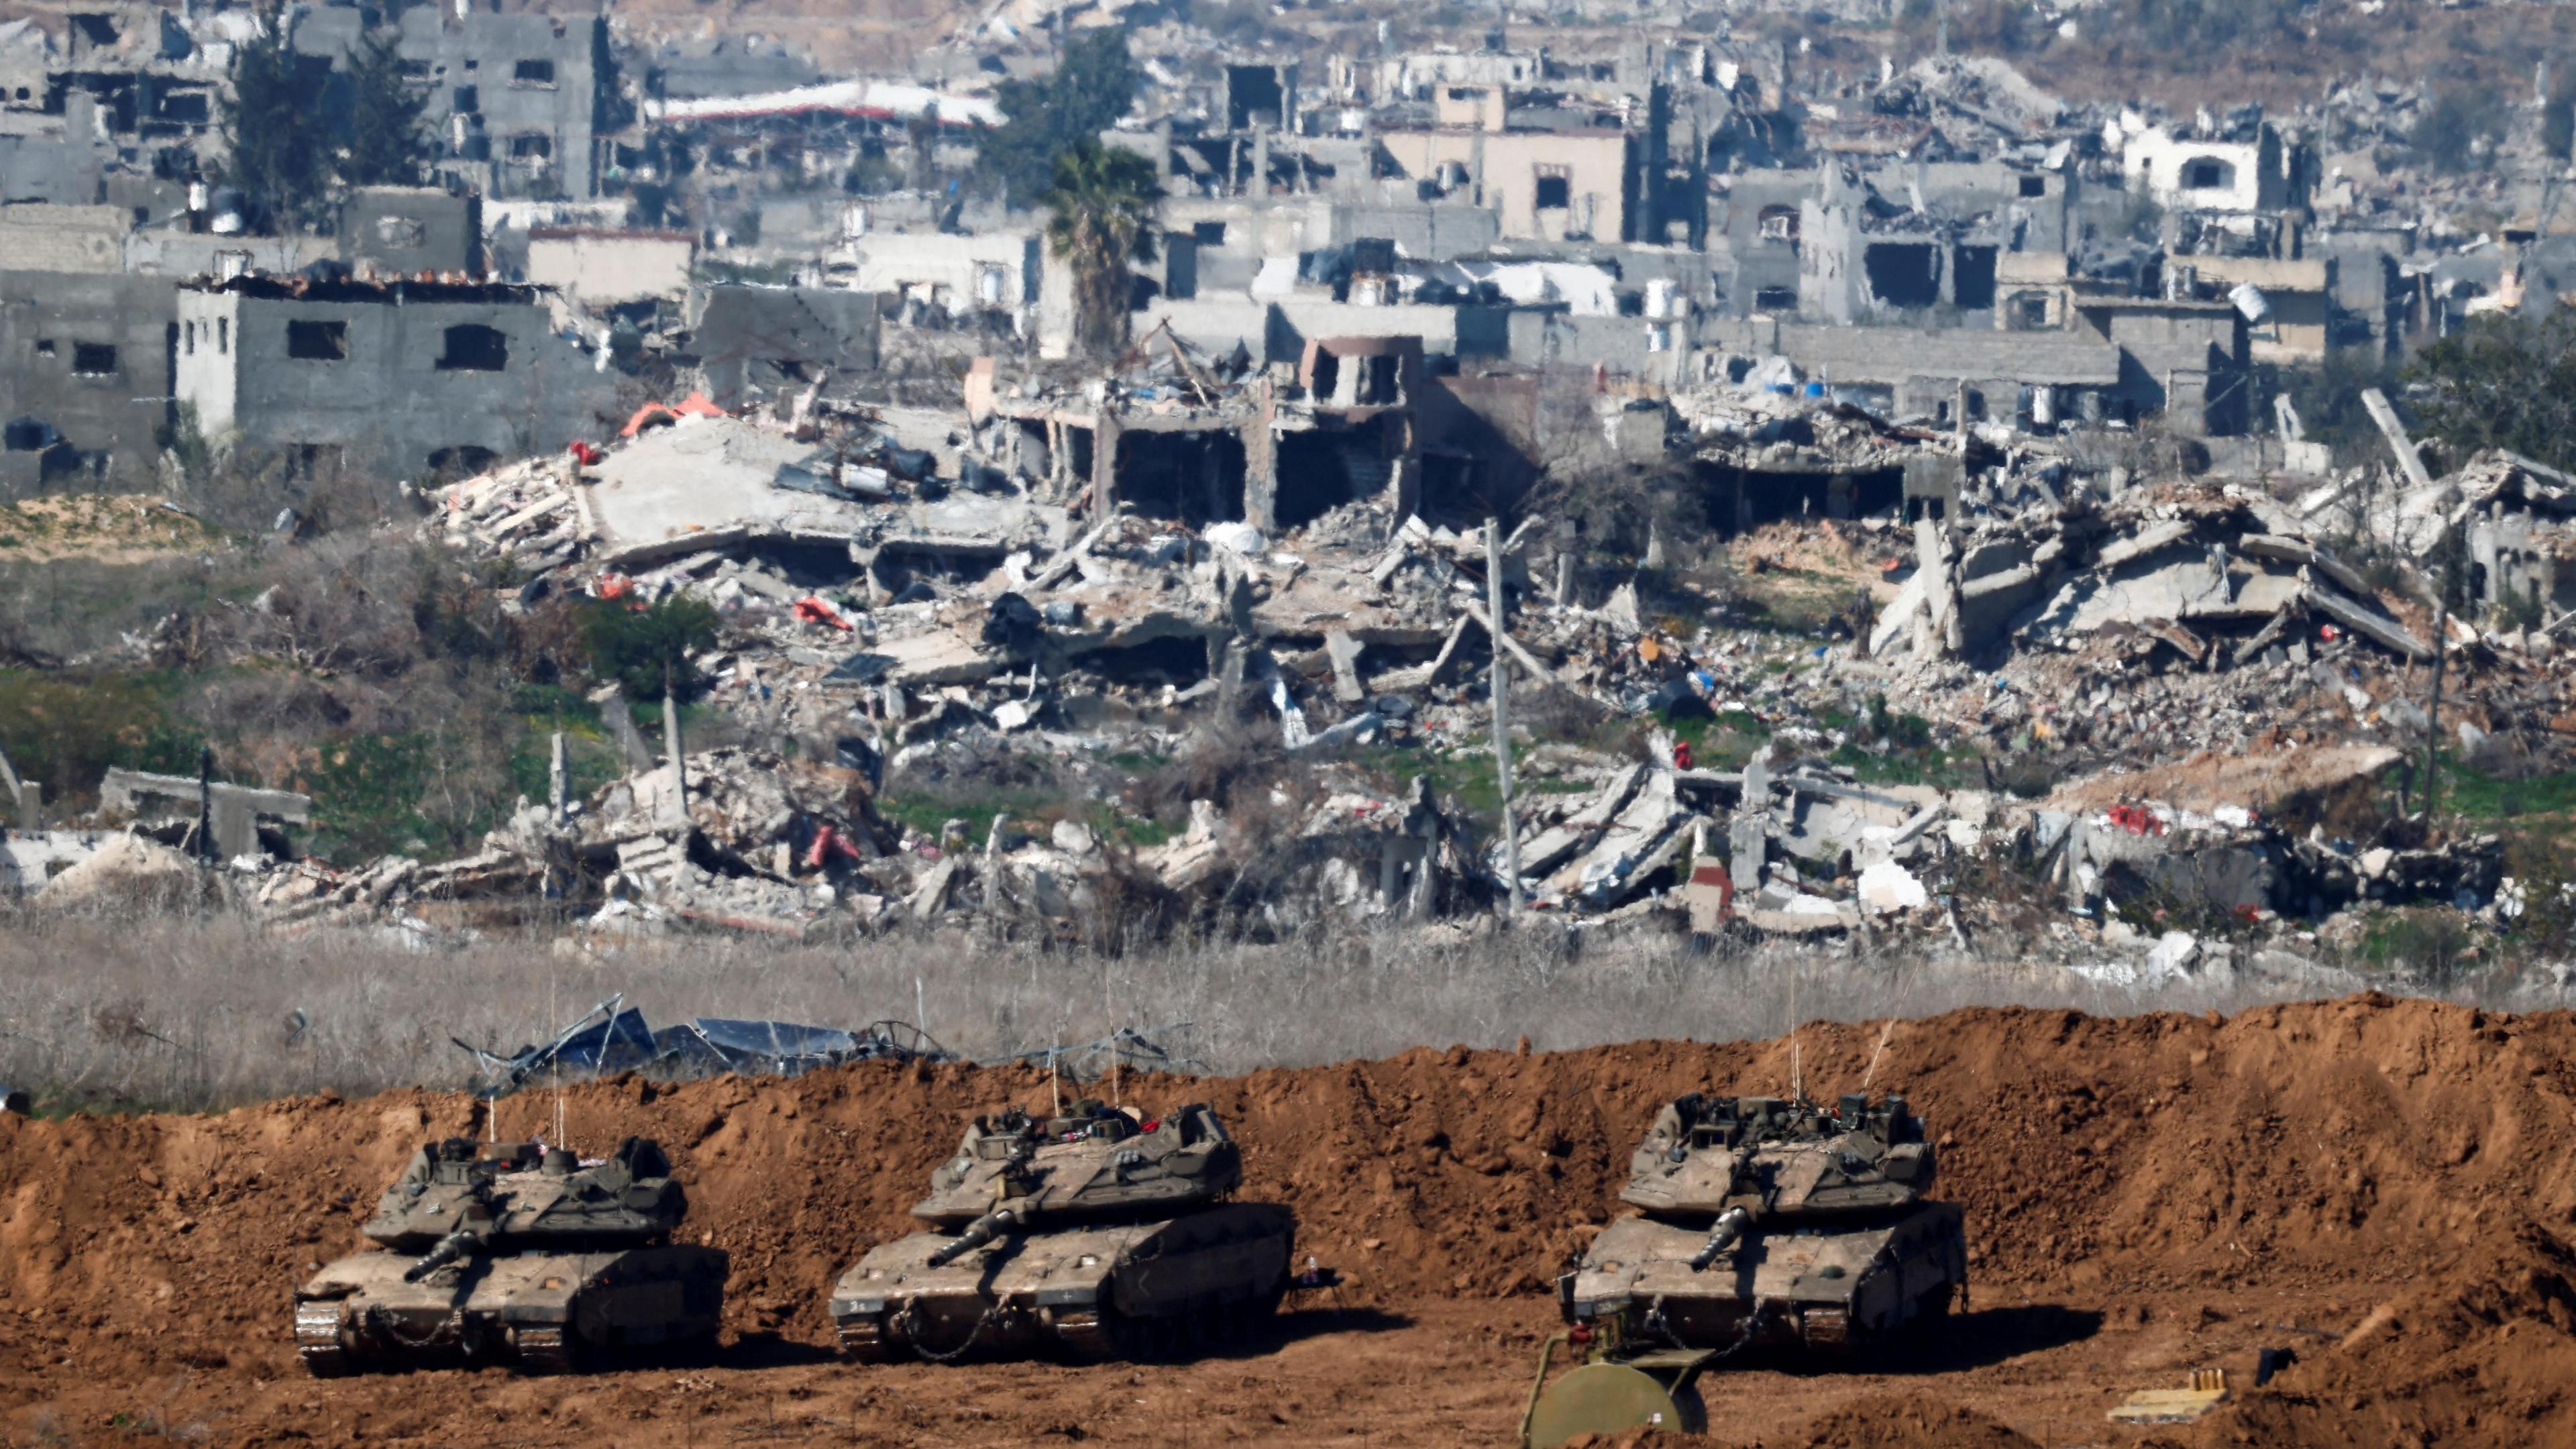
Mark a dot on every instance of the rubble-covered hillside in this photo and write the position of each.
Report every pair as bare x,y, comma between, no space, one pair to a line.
1979,693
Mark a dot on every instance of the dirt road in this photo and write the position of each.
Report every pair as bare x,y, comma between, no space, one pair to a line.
2384,1187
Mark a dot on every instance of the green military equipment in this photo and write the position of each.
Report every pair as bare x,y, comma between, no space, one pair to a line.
1100,1234
1763,1220
520,1252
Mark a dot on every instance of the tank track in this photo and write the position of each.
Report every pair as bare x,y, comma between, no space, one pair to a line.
317,1341
1101,1334
863,1339
548,1349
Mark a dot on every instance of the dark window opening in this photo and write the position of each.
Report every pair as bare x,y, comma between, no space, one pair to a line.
1976,405
1175,659
1324,469
2034,186
2028,312
534,143
1253,96
188,108
28,435
1902,274
318,341
1972,271
463,460
413,69
95,27
1778,224
533,73
1208,233
94,359
1328,377
1379,386
224,334
2208,174
1193,478
472,347
469,100
1776,299
1555,189
1739,499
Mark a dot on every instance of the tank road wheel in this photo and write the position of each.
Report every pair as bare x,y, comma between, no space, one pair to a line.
317,1341
863,1339
549,1348
1083,1336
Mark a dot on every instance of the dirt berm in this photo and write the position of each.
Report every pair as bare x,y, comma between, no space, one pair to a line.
2385,1186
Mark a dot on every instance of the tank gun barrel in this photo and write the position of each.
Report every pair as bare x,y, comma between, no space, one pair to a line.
466,1239
1722,1235
979,1232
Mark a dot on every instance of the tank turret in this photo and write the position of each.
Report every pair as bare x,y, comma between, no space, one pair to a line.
1099,1232
459,1197
498,1247
1766,1157
1771,1220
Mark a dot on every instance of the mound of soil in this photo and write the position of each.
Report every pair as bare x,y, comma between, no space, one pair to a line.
2409,1154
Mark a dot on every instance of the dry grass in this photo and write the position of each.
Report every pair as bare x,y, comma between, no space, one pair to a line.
207,1012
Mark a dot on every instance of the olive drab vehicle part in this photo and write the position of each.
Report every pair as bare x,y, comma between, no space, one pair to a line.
1763,1221
515,1251
1099,1234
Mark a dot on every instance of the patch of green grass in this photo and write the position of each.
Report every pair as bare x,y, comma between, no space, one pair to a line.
2465,791
67,729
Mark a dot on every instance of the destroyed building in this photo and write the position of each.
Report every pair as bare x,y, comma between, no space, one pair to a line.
412,378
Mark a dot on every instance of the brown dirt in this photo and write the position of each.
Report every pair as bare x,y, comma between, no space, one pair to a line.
2207,780
2144,1195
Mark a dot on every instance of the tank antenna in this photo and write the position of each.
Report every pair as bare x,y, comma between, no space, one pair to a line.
1884,1033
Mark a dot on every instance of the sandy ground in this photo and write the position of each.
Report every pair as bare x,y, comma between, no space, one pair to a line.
2381,1186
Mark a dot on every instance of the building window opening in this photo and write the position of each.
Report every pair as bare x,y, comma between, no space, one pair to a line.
1193,478
2029,312
1555,188
1380,385
1903,274
1322,469
224,334
1778,224
472,347
1208,233
1327,380
2208,174
44,347
533,73
1775,299
464,460
2034,186
534,145
1972,270
469,100
29,435
318,341
94,359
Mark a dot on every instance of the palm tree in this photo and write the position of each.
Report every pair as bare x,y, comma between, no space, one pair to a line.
1104,200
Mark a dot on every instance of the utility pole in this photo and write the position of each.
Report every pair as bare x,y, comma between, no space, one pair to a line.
206,804
2446,579
1501,689
678,809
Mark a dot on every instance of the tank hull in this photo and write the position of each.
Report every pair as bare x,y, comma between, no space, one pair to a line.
542,1311
1830,1287
1161,1288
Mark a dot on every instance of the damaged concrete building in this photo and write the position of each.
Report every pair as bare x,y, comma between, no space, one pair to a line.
410,378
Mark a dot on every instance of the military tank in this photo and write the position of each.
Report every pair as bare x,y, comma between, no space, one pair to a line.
1766,1219
1099,1234
518,1252
1763,1220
